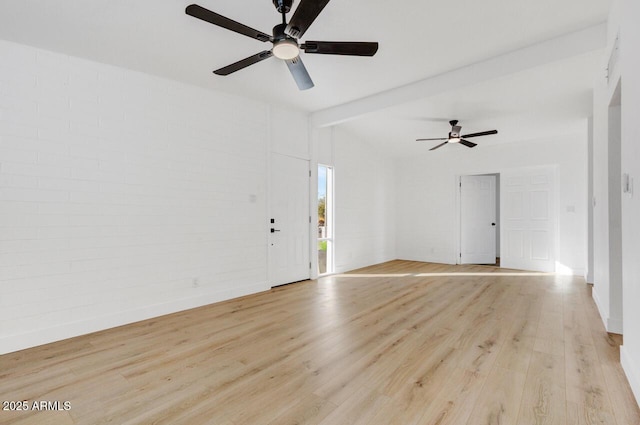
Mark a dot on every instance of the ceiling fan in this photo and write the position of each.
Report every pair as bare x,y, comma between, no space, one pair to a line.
455,137
285,39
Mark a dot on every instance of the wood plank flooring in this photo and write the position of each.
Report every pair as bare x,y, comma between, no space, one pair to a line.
402,342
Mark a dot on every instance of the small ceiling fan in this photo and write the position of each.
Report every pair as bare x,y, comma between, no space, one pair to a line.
285,39
455,137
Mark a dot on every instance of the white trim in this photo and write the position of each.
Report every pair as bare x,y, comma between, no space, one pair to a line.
11,343
632,371
614,325
596,300
313,202
457,230
330,216
579,272
611,325
269,194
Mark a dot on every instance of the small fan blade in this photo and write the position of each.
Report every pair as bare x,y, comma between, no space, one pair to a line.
221,21
439,146
300,74
426,119
428,140
356,48
244,63
482,133
467,143
305,14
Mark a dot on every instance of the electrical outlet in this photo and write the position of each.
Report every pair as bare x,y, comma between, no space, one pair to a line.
627,184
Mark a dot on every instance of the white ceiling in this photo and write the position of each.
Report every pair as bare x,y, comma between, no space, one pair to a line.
418,40
533,104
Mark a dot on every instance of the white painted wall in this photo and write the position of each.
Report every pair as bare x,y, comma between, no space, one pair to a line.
125,196
289,132
602,95
621,21
600,230
630,46
365,205
426,193
614,172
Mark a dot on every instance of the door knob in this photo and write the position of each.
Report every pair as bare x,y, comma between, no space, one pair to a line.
493,224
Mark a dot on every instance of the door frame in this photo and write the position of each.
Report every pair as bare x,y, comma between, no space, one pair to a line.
329,212
458,212
614,211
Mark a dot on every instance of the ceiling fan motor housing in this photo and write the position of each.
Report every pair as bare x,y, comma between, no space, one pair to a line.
284,46
283,6
279,34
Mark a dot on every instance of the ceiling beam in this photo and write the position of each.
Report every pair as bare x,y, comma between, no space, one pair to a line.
552,50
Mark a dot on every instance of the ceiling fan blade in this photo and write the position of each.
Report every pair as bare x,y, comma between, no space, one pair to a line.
428,140
300,74
427,119
482,133
467,143
244,63
439,146
355,48
221,21
305,14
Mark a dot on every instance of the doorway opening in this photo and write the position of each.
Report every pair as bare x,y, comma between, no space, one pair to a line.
479,219
325,220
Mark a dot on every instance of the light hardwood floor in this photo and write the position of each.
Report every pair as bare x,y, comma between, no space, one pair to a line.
398,343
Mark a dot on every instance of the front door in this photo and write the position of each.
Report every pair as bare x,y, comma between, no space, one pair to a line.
478,219
289,228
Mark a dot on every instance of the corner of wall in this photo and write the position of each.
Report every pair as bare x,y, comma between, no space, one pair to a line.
599,305
614,325
632,371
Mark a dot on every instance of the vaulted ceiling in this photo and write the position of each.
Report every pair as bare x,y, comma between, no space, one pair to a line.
525,67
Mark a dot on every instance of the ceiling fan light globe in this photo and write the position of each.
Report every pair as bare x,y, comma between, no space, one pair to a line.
286,49
454,140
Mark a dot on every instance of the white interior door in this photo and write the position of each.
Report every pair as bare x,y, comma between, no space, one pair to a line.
528,219
289,230
478,219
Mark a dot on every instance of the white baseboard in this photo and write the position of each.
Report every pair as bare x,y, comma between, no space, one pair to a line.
11,343
580,272
632,370
589,278
434,258
614,325
601,313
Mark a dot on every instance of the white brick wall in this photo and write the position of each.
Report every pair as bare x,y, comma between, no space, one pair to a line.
117,190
